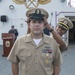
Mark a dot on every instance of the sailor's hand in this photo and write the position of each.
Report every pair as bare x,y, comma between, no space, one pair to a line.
47,25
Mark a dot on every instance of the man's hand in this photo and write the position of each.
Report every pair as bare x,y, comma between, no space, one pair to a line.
47,25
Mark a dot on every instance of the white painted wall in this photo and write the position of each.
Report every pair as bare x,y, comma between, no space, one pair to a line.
17,16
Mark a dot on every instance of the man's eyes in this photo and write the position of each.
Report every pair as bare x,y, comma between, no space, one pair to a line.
62,28
33,21
39,22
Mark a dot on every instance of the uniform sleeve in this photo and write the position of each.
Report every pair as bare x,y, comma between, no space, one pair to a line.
58,56
13,53
16,32
9,31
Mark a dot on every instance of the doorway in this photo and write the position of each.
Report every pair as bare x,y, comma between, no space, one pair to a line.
72,31
72,34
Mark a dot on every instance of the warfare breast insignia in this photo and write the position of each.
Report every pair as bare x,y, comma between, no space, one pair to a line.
47,50
46,61
47,53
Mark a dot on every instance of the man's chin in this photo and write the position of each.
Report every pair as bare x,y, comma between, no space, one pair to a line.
37,33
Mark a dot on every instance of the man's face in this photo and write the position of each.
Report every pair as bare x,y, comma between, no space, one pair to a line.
61,31
36,27
12,27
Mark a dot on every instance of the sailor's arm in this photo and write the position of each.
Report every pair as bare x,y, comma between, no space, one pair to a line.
63,47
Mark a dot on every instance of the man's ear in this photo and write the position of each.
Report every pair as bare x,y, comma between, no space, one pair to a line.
28,31
28,25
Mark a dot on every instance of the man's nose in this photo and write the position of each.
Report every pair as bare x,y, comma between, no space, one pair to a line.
36,24
60,29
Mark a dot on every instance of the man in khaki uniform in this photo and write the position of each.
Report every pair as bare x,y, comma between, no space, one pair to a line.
37,53
63,25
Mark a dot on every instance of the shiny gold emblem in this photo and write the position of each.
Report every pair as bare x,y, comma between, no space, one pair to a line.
46,61
38,11
43,1
47,54
19,1
31,3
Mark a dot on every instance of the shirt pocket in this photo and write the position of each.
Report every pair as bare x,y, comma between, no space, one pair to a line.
28,55
22,57
24,54
28,60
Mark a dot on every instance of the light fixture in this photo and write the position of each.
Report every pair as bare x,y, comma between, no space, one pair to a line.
11,7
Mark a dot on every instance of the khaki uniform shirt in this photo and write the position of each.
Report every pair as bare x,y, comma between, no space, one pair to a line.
35,60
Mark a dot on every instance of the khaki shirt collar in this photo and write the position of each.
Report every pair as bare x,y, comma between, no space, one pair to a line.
44,38
28,38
